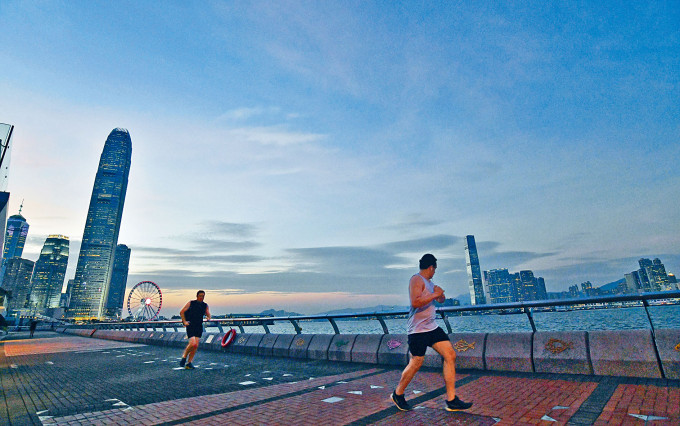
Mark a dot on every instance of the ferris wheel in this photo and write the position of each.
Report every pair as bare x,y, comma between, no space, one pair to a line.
144,301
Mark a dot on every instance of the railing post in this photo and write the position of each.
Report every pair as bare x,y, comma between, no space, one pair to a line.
531,318
446,322
335,326
266,328
298,330
656,350
382,324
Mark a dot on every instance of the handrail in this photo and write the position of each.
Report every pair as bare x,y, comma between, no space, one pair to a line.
518,307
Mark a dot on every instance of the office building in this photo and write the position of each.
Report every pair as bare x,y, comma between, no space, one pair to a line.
114,302
499,286
49,274
100,237
475,284
17,281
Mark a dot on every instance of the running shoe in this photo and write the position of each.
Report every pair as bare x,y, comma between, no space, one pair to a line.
182,362
457,404
400,402
189,366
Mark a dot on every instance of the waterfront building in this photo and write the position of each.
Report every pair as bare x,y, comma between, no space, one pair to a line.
541,291
474,272
17,281
499,286
114,302
645,284
100,237
587,288
49,274
528,282
573,291
633,284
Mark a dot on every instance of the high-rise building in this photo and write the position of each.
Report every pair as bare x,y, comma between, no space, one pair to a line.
49,274
633,284
95,261
499,286
15,238
17,281
541,291
474,272
121,261
528,285
645,284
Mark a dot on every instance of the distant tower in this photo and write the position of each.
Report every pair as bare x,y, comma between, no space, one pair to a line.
528,285
49,274
95,261
474,272
17,279
15,238
114,303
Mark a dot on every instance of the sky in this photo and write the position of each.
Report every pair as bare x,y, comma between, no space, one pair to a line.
304,155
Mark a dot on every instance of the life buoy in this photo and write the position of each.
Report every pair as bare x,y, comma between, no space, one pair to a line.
228,337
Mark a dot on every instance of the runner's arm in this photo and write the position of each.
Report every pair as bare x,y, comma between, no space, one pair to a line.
418,293
182,312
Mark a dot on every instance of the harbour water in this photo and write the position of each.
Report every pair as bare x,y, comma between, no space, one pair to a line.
664,316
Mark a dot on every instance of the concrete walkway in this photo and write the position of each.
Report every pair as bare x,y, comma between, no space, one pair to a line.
70,380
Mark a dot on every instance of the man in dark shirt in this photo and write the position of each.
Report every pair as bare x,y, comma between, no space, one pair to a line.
192,318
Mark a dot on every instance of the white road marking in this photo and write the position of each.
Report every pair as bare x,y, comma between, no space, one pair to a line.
246,383
333,399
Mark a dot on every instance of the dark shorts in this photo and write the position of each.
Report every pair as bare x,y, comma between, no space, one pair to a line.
194,331
418,342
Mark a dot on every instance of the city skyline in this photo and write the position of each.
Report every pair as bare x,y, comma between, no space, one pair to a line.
304,156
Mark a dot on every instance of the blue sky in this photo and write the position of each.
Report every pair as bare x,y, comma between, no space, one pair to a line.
304,155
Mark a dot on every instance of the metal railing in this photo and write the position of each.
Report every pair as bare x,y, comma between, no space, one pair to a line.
526,308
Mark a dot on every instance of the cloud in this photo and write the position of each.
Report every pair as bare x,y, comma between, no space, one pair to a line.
245,113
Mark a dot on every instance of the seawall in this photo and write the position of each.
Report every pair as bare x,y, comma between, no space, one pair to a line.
630,353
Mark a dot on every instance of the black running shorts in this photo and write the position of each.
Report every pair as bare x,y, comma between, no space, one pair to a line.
196,331
418,342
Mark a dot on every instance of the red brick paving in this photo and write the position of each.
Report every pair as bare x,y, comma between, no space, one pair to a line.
645,400
499,399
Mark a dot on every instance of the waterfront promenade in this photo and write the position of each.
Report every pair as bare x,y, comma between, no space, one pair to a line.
72,380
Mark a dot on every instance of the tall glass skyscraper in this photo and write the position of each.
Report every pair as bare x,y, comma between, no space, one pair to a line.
474,272
95,261
15,238
114,303
48,274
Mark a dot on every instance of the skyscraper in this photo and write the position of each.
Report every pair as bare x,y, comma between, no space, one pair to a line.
499,286
95,261
17,280
48,274
15,238
474,272
114,303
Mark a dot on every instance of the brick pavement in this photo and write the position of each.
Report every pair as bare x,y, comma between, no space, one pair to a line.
70,380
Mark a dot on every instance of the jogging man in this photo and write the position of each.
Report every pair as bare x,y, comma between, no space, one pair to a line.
192,318
423,331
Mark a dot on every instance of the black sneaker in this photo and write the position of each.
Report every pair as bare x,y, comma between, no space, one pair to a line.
189,366
457,404
400,402
182,362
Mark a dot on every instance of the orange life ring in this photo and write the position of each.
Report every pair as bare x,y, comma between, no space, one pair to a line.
228,337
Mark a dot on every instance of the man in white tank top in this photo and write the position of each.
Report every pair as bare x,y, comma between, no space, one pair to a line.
423,331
